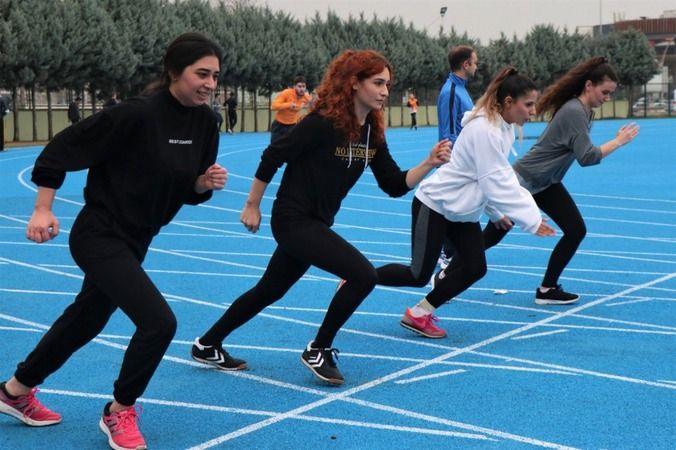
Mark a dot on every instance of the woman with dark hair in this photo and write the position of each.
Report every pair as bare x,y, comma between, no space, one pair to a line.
146,157
566,139
448,204
325,154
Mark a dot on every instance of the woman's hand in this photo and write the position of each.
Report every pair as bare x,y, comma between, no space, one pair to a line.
504,224
545,230
627,133
214,178
441,153
251,217
42,226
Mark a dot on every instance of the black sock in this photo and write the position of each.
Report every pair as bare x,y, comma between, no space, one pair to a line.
106,409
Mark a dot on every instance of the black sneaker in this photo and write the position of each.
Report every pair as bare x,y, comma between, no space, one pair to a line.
214,355
320,362
555,296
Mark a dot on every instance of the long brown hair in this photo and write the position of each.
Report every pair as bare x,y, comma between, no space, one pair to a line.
336,96
571,84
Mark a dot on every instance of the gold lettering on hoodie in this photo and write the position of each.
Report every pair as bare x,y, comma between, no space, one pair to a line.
358,152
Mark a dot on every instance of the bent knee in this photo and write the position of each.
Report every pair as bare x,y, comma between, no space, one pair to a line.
161,327
366,279
476,272
575,233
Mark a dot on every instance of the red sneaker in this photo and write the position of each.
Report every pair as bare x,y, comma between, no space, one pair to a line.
27,409
424,325
122,429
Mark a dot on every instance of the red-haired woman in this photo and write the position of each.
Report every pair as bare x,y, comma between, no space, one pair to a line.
325,154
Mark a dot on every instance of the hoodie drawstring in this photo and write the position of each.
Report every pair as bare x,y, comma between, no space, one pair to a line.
349,145
368,135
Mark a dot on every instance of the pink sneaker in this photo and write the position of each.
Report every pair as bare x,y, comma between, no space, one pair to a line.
27,409
122,429
424,325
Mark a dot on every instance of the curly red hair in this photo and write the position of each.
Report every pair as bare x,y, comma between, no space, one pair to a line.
336,96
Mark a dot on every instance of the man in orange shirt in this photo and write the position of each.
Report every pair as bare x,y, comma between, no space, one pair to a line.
413,105
288,104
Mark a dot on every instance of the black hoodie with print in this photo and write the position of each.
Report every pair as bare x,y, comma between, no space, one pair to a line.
143,155
322,166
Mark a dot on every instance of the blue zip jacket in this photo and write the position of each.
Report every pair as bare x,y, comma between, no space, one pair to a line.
462,103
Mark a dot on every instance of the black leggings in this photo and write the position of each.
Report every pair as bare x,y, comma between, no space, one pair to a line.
557,203
113,279
300,244
428,231
232,120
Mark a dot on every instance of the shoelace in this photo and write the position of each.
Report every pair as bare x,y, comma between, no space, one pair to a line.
430,318
331,353
28,403
127,418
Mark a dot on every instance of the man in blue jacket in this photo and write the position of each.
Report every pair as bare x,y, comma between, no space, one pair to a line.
453,102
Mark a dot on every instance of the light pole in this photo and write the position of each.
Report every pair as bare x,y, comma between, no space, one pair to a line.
442,13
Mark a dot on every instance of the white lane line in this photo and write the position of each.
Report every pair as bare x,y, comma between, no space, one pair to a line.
394,375
570,312
253,412
545,333
29,330
667,381
615,197
630,302
430,377
328,398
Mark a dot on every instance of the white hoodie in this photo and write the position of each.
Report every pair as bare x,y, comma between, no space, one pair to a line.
479,177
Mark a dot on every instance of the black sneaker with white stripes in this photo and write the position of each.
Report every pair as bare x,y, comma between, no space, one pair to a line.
320,362
214,355
555,296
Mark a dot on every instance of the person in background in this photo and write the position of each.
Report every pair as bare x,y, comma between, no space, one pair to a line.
449,203
325,155
569,102
288,105
216,107
452,104
231,105
412,104
3,112
112,101
147,157
74,111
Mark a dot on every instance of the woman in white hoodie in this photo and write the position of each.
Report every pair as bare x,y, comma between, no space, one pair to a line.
450,202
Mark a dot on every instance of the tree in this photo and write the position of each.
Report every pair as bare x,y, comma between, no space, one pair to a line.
632,57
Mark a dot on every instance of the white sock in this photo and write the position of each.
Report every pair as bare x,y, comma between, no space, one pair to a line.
544,289
423,308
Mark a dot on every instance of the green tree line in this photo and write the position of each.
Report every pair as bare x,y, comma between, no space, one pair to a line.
105,46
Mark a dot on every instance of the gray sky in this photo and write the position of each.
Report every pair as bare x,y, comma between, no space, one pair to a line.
483,19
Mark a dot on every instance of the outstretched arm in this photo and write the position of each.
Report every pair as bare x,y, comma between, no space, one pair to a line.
440,154
625,134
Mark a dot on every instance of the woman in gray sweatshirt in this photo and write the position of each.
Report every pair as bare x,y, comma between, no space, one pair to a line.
566,139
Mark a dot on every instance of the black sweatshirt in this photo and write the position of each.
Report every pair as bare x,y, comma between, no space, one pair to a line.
143,155
320,171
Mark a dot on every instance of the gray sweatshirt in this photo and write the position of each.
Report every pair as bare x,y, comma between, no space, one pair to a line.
565,140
